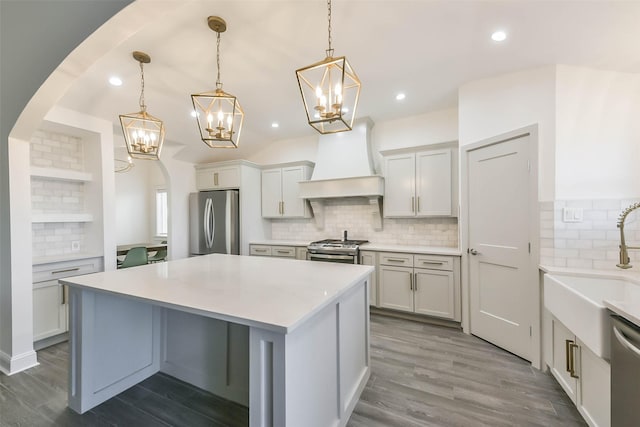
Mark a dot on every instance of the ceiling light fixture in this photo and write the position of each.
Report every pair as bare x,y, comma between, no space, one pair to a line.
275,125
143,133
499,36
327,87
400,96
115,81
219,114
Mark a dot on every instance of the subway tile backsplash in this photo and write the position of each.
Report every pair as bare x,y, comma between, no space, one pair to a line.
352,214
59,151
592,242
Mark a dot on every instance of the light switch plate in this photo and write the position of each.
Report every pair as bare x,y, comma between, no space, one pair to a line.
572,214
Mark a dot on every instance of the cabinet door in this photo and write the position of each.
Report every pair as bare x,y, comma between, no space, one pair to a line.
272,193
218,178
293,204
395,286
49,310
399,186
302,253
560,336
369,258
433,183
594,391
434,293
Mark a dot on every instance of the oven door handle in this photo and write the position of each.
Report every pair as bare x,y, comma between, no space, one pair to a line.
327,256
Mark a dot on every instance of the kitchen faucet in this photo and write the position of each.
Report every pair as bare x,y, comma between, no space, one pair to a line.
624,255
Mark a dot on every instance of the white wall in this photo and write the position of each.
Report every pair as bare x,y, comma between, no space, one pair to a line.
287,150
134,212
597,134
502,104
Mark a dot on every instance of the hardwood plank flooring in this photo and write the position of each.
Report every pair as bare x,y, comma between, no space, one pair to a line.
421,375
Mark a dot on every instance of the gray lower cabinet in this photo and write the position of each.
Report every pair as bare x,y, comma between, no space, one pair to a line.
422,284
370,258
50,299
279,251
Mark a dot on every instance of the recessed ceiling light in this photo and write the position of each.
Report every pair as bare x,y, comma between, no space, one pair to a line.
275,125
498,36
400,96
115,81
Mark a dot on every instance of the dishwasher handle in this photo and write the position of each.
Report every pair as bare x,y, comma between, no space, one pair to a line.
622,339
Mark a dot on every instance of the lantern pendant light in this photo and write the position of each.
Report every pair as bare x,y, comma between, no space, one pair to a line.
330,90
218,113
143,133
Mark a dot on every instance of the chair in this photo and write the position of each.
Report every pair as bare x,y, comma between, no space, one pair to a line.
159,256
135,256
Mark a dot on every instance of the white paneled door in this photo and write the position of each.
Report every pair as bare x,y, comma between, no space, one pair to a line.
499,244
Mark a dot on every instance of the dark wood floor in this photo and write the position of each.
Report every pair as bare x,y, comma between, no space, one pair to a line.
422,375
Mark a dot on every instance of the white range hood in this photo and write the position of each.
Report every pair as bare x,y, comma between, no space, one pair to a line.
344,168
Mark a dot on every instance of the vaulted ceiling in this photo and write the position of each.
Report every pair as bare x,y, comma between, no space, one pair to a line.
425,49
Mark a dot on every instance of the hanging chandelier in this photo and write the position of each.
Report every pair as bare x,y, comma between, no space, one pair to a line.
330,90
143,133
218,113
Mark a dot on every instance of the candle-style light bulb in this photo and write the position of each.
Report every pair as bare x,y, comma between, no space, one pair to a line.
318,94
209,120
220,118
229,121
338,93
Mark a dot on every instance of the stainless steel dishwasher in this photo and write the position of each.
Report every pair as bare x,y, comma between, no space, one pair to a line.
625,373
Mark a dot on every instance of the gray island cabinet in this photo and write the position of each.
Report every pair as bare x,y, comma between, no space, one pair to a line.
287,338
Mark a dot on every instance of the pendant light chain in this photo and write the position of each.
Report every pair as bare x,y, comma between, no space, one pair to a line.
142,106
218,84
330,50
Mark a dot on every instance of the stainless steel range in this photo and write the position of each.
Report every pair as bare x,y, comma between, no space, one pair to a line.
336,250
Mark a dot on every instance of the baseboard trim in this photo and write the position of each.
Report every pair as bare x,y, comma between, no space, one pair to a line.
415,317
12,365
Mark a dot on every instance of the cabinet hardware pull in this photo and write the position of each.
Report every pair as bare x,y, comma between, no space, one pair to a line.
413,204
215,179
395,260
282,252
260,250
411,281
415,282
418,209
433,262
573,346
282,208
567,352
65,289
68,270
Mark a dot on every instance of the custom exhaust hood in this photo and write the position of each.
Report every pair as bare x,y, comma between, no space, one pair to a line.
344,168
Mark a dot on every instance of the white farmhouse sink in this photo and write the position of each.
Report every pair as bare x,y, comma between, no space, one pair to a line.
577,302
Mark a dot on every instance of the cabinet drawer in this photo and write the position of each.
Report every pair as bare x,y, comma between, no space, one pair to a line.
260,250
434,262
60,270
283,251
397,259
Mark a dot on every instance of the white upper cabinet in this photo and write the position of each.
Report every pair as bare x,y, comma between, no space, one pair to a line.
220,177
419,184
280,191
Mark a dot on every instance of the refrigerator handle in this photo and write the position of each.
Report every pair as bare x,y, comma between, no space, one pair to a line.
212,224
208,220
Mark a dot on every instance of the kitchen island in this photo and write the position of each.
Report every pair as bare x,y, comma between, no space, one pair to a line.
288,338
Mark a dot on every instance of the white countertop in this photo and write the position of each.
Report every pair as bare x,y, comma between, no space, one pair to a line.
271,293
427,250
629,308
378,247
280,242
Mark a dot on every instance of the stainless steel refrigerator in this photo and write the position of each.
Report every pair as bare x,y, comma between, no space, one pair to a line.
214,222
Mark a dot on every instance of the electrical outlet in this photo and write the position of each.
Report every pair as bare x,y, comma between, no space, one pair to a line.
75,246
572,215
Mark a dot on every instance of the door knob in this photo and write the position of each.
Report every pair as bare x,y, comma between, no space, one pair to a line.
473,252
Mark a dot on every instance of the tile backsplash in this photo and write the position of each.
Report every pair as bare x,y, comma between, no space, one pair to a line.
592,242
58,151
352,214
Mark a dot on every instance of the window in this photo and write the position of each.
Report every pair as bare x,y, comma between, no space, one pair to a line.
161,212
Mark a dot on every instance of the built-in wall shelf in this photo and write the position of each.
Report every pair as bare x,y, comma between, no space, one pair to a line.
61,217
61,174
